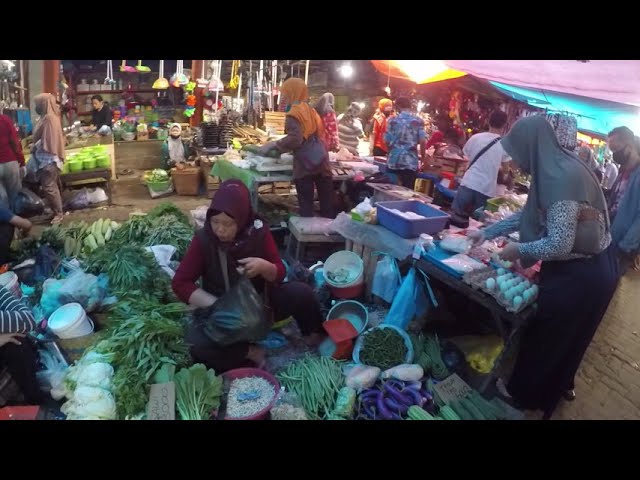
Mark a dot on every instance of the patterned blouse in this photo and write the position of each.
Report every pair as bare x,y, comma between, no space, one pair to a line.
561,224
403,136
330,131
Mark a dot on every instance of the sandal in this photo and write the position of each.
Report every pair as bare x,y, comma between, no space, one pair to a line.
57,220
569,395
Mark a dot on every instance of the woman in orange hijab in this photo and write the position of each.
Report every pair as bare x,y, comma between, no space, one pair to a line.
378,145
304,129
47,155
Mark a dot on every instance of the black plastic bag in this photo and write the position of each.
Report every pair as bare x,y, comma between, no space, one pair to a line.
299,273
28,204
47,262
238,316
79,201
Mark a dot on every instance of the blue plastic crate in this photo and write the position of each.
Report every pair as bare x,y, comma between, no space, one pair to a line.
436,255
434,222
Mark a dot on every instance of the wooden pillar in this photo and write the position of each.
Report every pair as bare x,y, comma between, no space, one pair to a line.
50,75
196,72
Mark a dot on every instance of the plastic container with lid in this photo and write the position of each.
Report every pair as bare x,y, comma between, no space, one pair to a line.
70,321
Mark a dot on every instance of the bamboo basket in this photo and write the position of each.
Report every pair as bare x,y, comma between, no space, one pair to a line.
187,181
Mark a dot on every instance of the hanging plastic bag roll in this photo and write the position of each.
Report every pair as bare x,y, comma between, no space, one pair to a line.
387,279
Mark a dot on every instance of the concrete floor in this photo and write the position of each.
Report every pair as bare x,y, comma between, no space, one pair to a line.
608,383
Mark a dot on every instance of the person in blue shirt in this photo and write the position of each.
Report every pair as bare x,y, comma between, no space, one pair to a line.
8,222
404,133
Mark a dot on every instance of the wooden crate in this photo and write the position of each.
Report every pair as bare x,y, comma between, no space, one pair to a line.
266,188
274,121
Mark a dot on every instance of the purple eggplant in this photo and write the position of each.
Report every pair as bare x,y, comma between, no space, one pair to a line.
385,413
369,411
397,395
395,406
415,395
415,385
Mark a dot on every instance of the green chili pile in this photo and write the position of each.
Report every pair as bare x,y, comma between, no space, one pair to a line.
383,348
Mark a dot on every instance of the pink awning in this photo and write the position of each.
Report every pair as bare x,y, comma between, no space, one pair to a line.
612,80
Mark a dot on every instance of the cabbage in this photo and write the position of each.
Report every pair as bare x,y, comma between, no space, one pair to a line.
95,375
90,403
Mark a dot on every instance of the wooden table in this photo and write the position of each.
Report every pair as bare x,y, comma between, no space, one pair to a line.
97,176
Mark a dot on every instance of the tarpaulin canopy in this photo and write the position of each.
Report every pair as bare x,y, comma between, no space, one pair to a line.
612,80
593,115
419,71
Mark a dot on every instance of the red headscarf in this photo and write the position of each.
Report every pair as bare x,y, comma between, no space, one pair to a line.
234,199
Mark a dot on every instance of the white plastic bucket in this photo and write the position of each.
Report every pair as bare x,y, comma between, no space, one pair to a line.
70,321
9,280
350,264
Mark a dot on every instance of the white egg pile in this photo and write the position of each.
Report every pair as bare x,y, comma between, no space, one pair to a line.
516,291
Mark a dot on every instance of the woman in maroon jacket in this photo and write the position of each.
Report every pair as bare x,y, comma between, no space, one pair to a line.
11,161
232,226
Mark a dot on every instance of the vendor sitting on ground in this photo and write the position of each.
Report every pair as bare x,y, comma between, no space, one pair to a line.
8,222
175,151
101,118
17,353
233,228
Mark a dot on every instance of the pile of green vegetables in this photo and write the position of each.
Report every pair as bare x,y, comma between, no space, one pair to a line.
383,348
428,354
316,381
27,248
198,392
142,336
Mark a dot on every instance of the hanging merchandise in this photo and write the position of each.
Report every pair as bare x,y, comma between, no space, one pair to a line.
109,78
179,79
141,68
235,78
161,83
215,84
202,82
126,68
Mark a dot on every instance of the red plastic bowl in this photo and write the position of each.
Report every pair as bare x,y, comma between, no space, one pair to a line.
231,375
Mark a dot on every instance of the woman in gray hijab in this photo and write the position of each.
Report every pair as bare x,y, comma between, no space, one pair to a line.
565,225
326,110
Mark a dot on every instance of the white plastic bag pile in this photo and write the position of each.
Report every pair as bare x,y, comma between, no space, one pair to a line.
87,386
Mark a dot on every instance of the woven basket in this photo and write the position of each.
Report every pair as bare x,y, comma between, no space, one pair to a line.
187,181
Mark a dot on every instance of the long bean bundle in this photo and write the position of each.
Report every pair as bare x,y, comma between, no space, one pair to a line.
383,348
439,370
316,381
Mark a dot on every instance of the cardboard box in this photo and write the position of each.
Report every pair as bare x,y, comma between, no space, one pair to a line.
162,402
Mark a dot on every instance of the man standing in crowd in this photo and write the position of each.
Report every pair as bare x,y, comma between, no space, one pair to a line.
610,174
377,142
480,181
404,133
624,197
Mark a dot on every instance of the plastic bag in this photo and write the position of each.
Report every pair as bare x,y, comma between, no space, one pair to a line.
79,201
163,254
456,244
238,316
199,215
387,279
297,272
288,407
79,287
28,204
480,352
411,301
463,263
405,372
345,403
361,377
97,196
47,262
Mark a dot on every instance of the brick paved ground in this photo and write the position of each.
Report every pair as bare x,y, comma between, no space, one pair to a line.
608,383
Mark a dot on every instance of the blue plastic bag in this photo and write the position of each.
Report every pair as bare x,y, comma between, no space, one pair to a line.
387,279
411,300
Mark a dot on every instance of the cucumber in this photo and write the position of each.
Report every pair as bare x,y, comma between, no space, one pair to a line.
462,412
447,413
115,225
99,238
69,247
472,409
105,226
417,413
99,224
482,405
107,235
90,242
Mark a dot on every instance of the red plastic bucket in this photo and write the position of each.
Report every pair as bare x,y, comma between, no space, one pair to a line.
349,292
231,375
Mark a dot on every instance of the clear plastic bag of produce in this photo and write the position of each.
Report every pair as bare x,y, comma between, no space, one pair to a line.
288,407
163,255
238,316
361,377
411,301
456,244
463,263
405,372
345,403
387,279
79,287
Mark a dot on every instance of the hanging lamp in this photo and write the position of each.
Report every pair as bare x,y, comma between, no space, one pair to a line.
126,68
141,68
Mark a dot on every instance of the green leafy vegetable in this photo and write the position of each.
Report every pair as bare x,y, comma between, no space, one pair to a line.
169,230
167,208
198,392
